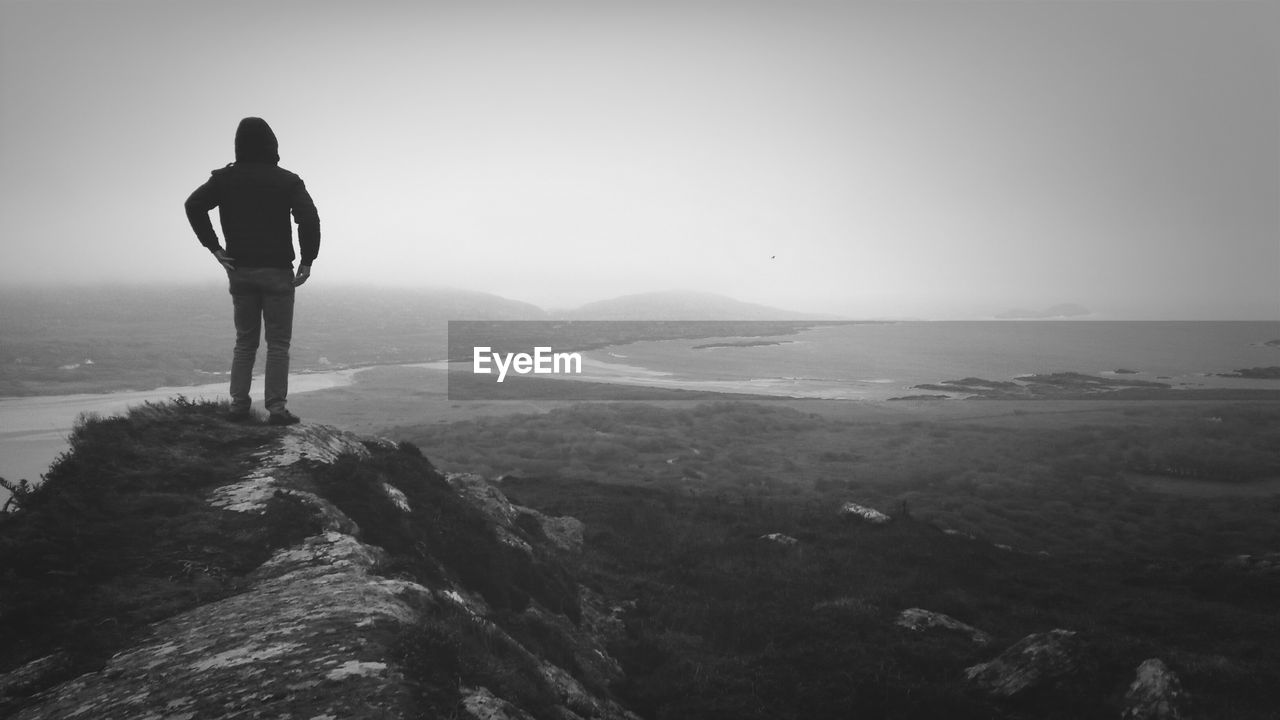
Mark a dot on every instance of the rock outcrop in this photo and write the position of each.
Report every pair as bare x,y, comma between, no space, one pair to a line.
33,676
920,620
563,532
319,631
862,512
313,633
1155,694
1036,662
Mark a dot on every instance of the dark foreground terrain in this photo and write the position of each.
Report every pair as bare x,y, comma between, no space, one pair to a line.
728,564
1149,529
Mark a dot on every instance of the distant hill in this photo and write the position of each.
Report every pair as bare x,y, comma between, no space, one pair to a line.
1064,310
682,305
430,305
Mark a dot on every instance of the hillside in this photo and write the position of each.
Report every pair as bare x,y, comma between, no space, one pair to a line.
175,565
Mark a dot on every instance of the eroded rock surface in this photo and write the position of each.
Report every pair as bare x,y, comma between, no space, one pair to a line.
1035,662
278,469
920,620
862,512
310,636
316,632
563,532
481,704
34,675
1155,694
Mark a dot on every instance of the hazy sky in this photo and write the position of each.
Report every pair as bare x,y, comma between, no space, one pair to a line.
933,159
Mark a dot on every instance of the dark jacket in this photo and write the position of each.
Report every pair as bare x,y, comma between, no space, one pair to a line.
255,197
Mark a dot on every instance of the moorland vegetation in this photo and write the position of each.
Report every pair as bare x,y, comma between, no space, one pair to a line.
1013,527
740,589
1047,483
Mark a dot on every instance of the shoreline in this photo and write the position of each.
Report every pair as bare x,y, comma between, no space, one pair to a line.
372,399
35,427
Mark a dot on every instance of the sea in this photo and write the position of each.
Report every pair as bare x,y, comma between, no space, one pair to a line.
852,362
878,361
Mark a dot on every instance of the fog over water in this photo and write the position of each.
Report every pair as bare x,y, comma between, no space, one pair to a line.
941,160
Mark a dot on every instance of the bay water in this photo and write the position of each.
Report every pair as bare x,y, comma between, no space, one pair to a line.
854,362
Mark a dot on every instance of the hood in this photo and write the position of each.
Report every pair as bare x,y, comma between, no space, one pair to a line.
255,142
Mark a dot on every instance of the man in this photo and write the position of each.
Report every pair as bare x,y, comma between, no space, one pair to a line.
254,197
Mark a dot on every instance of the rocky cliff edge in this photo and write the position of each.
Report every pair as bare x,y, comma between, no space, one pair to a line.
399,592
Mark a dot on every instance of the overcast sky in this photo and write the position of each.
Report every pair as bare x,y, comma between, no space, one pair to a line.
931,159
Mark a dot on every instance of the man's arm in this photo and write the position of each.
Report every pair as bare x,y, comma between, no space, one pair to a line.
204,199
308,219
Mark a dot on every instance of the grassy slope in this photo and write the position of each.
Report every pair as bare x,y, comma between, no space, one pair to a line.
728,625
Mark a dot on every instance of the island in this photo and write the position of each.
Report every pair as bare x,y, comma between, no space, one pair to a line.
1061,385
740,344
1255,373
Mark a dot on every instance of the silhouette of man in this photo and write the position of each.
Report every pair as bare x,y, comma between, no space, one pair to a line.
254,197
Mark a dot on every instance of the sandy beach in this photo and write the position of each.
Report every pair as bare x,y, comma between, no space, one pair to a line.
596,368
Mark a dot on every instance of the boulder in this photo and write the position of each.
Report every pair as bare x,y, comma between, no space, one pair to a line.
481,704
920,620
862,512
1155,694
564,533
1036,662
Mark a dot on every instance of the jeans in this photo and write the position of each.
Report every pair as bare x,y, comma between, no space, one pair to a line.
262,297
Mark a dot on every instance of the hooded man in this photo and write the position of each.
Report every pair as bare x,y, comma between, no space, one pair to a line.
255,197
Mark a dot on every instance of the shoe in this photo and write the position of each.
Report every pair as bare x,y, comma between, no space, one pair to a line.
236,416
284,417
